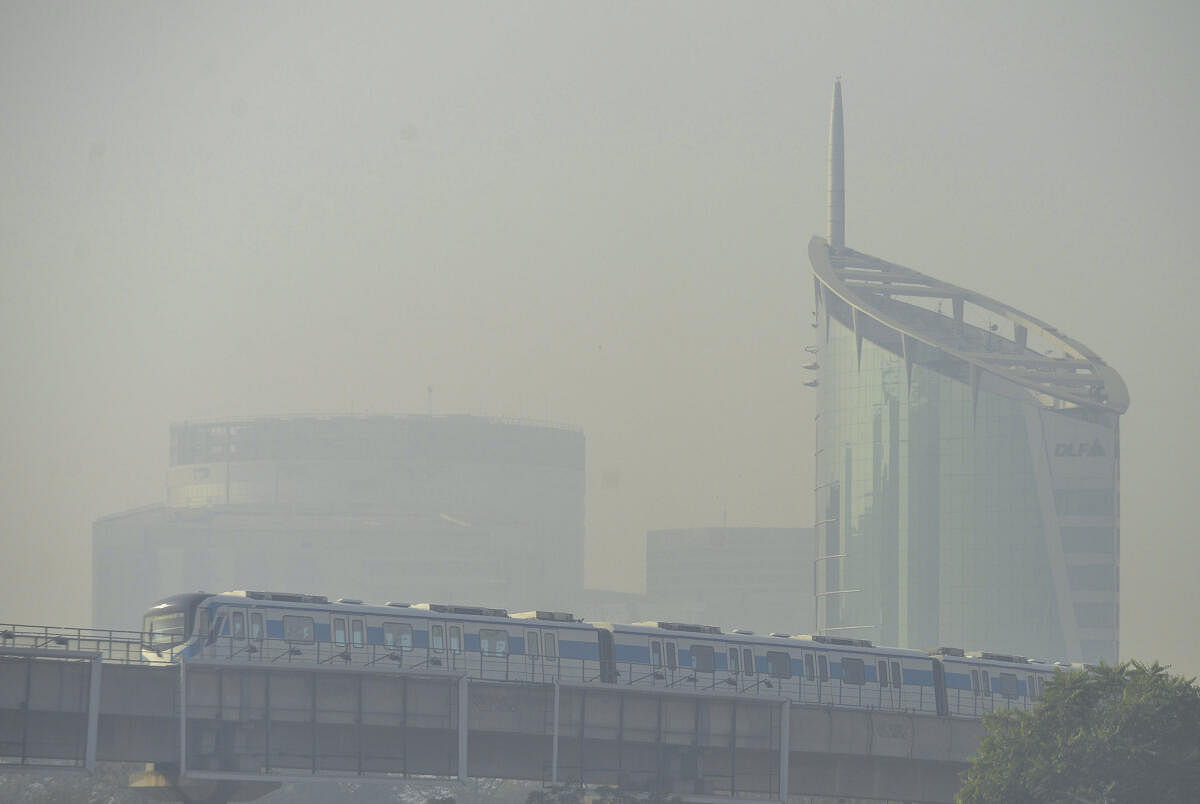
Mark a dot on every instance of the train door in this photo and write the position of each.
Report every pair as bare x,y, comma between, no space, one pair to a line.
551,661
533,653
494,652
455,656
437,645
672,659
358,641
810,677
733,664
656,660
339,633
939,688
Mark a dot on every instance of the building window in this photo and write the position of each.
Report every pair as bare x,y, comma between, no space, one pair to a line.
1092,578
297,629
779,664
1006,685
854,672
1083,502
239,625
703,658
493,642
398,635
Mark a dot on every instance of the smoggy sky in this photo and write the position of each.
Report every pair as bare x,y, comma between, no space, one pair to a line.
591,213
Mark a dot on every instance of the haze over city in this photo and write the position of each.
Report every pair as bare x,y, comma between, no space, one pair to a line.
597,215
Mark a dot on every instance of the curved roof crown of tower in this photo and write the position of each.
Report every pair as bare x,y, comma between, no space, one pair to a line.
986,334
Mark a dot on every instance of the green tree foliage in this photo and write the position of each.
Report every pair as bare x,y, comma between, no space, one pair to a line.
1121,733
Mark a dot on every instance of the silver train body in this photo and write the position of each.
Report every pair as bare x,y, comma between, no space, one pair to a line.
541,646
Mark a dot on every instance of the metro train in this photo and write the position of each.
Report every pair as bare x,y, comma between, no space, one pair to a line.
545,646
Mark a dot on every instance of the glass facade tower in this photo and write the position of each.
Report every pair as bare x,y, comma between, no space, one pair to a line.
967,463
967,469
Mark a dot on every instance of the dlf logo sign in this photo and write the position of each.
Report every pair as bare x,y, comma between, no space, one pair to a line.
1081,449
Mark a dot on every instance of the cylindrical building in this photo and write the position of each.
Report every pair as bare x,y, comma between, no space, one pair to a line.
405,508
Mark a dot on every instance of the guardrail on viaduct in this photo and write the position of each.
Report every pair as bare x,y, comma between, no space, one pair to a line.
61,706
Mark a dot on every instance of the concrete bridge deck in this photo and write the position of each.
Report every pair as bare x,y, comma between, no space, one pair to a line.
275,723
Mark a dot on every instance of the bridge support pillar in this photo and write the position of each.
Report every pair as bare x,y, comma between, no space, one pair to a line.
785,747
464,723
554,740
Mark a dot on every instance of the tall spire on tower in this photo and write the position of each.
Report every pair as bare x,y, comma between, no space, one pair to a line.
837,172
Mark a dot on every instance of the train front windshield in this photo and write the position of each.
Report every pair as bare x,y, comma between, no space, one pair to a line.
165,630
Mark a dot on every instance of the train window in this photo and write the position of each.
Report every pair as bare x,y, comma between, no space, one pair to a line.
810,667
397,635
733,661
1006,685
550,646
493,642
455,639
239,625
823,666
531,643
897,675
883,674
748,662
779,664
987,684
656,654
339,630
975,681
256,626
672,661
437,637
854,671
704,659
297,629
356,633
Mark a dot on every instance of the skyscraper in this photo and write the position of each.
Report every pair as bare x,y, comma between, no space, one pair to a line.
967,463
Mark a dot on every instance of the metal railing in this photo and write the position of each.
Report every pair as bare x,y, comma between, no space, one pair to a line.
112,645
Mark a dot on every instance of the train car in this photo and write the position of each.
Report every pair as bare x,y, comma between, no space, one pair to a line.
546,646
489,643
807,669
973,684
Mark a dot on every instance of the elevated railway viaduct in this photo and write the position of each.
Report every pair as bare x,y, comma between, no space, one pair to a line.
215,731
